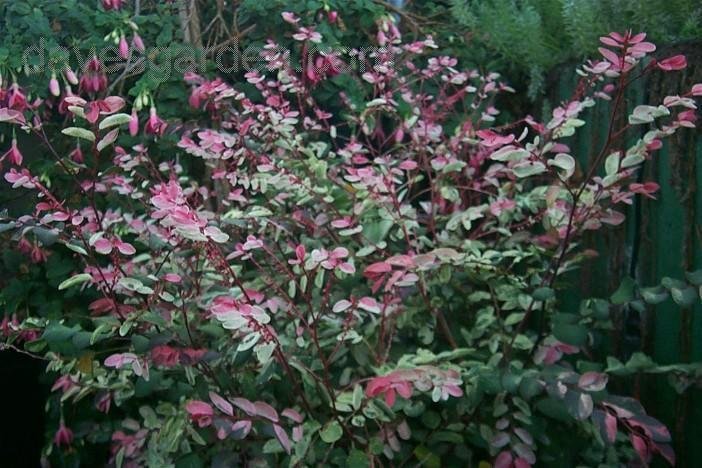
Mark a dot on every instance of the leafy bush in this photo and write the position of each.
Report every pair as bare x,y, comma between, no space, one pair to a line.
369,278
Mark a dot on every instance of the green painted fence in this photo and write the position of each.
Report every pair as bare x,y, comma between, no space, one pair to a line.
661,238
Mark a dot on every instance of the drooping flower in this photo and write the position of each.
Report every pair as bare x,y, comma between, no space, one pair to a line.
13,155
123,47
134,123
155,125
77,155
54,87
93,79
16,98
138,43
63,436
70,76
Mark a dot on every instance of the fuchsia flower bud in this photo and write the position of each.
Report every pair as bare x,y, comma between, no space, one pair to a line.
123,47
333,16
70,76
54,88
134,123
138,43
64,436
13,155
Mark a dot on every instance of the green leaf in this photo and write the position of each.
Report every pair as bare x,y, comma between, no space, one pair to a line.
74,280
58,333
684,297
575,335
81,133
654,295
543,294
625,293
331,432
694,277
114,120
528,169
357,459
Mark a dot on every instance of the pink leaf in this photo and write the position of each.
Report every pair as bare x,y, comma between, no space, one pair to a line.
243,425
593,381
504,460
223,405
676,62
266,410
245,405
369,304
282,437
610,426
292,415
103,246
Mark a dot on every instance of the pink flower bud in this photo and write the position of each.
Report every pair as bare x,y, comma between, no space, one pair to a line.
134,123
138,43
123,48
333,16
54,88
70,76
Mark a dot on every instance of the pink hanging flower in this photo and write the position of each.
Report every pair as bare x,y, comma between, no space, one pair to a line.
676,62
13,155
70,76
54,87
134,123
77,155
123,47
333,16
64,436
104,402
93,79
16,99
155,125
138,43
